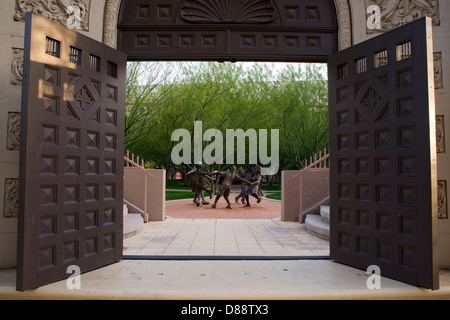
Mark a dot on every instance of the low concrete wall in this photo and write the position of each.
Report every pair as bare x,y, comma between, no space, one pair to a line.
290,196
314,188
134,188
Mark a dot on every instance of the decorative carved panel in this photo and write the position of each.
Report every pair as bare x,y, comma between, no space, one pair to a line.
11,200
227,30
438,81
13,135
442,199
17,66
395,13
74,13
230,11
440,134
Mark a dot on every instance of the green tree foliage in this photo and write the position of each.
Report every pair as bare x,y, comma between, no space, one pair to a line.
163,97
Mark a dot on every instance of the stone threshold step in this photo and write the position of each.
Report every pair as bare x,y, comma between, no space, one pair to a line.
317,227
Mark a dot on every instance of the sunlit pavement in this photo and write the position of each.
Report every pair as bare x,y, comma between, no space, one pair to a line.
171,277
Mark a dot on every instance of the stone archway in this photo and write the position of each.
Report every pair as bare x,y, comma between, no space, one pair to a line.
112,8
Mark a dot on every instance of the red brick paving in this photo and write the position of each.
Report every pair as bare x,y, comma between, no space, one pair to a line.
186,209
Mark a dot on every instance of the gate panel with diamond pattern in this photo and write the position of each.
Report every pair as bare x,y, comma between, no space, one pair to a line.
71,159
383,167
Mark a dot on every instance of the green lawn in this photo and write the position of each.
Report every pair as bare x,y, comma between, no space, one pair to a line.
177,195
274,196
271,188
176,184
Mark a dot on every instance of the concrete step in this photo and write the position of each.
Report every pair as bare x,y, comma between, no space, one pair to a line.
315,209
325,213
317,226
131,208
132,224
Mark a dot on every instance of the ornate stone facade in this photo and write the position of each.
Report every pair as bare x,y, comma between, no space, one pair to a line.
395,13
66,12
11,201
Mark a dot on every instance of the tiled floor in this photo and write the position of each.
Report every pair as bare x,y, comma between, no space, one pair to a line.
225,237
236,279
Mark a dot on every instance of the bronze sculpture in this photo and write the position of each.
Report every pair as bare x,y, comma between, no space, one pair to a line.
244,188
199,184
255,189
225,188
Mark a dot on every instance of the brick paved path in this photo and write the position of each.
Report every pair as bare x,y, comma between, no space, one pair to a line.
186,209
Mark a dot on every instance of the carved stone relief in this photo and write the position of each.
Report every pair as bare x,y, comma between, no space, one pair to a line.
395,13
442,199
110,22
344,22
71,13
11,203
440,134
13,135
17,66
438,81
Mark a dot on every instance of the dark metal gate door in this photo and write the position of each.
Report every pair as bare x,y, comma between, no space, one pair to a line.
71,157
383,167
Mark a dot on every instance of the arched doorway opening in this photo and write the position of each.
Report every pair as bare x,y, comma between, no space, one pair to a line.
258,230
276,31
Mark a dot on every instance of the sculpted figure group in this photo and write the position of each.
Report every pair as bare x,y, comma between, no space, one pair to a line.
250,185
